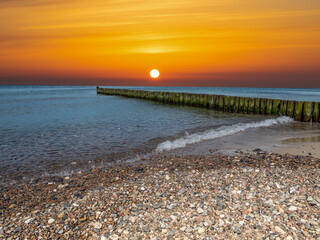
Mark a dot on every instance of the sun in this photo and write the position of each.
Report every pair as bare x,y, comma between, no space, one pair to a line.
154,73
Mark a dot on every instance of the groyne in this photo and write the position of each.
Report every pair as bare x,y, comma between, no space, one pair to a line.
298,110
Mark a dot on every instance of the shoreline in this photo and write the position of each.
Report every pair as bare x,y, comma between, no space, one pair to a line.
259,195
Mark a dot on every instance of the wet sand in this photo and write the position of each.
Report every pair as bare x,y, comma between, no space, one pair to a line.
305,146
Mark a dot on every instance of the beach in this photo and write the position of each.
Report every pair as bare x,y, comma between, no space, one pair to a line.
73,166
242,196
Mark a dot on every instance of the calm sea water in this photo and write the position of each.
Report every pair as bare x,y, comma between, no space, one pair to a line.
51,129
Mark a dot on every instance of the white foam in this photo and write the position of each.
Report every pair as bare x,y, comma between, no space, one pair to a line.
218,132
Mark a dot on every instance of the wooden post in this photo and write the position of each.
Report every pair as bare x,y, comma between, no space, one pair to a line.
268,106
231,103
275,106
315,114
307,111
298,110
290,108
251,105
257,105
283,107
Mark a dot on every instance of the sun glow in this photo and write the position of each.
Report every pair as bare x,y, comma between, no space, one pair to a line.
154,73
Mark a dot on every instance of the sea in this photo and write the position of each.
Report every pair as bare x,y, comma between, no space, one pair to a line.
58,130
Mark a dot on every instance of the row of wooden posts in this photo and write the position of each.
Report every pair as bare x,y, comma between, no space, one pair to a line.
300,111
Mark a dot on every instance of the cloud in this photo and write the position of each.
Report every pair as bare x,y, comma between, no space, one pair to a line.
29,3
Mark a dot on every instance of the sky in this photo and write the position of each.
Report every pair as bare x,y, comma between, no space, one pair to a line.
248,43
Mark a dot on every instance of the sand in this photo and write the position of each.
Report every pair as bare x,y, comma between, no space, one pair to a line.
301,149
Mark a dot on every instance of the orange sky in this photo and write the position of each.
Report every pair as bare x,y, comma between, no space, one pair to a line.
191,42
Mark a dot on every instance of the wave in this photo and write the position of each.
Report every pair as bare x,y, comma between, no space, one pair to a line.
218,132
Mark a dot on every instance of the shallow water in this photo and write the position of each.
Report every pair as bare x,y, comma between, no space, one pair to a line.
50,129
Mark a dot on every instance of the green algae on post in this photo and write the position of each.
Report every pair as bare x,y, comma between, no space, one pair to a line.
262,106
232,103
275,106
221,102
251,105
226,103
209,101
246,104
268,106
283,107
241,104
187,99
236,104
290,108
257,105
181,98
307,111
215,101
315,113
298,110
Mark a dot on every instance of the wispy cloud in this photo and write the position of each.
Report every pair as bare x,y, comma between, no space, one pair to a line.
77,25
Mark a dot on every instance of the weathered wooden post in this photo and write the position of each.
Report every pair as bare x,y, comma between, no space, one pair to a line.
221,102
216,101
283,107
275,106
187,99
257,105
226,103
307,111
263,105
246,104
231,103
251,105
290,108
268,106
316,110
241,104
210,101
236,104
181,99
298,110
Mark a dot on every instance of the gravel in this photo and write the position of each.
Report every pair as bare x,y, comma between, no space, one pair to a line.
248,196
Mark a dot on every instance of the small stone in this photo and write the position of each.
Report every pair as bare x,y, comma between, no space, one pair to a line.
280,210
289,238
97,225
293,208
279,230
200,210
183,228
51,220
201,230
29,220
173,217
114,237
236,229
249,196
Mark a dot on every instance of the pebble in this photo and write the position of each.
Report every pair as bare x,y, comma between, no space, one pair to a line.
196,197
51,220
293,208
200,210
279,230
29,220
97,225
